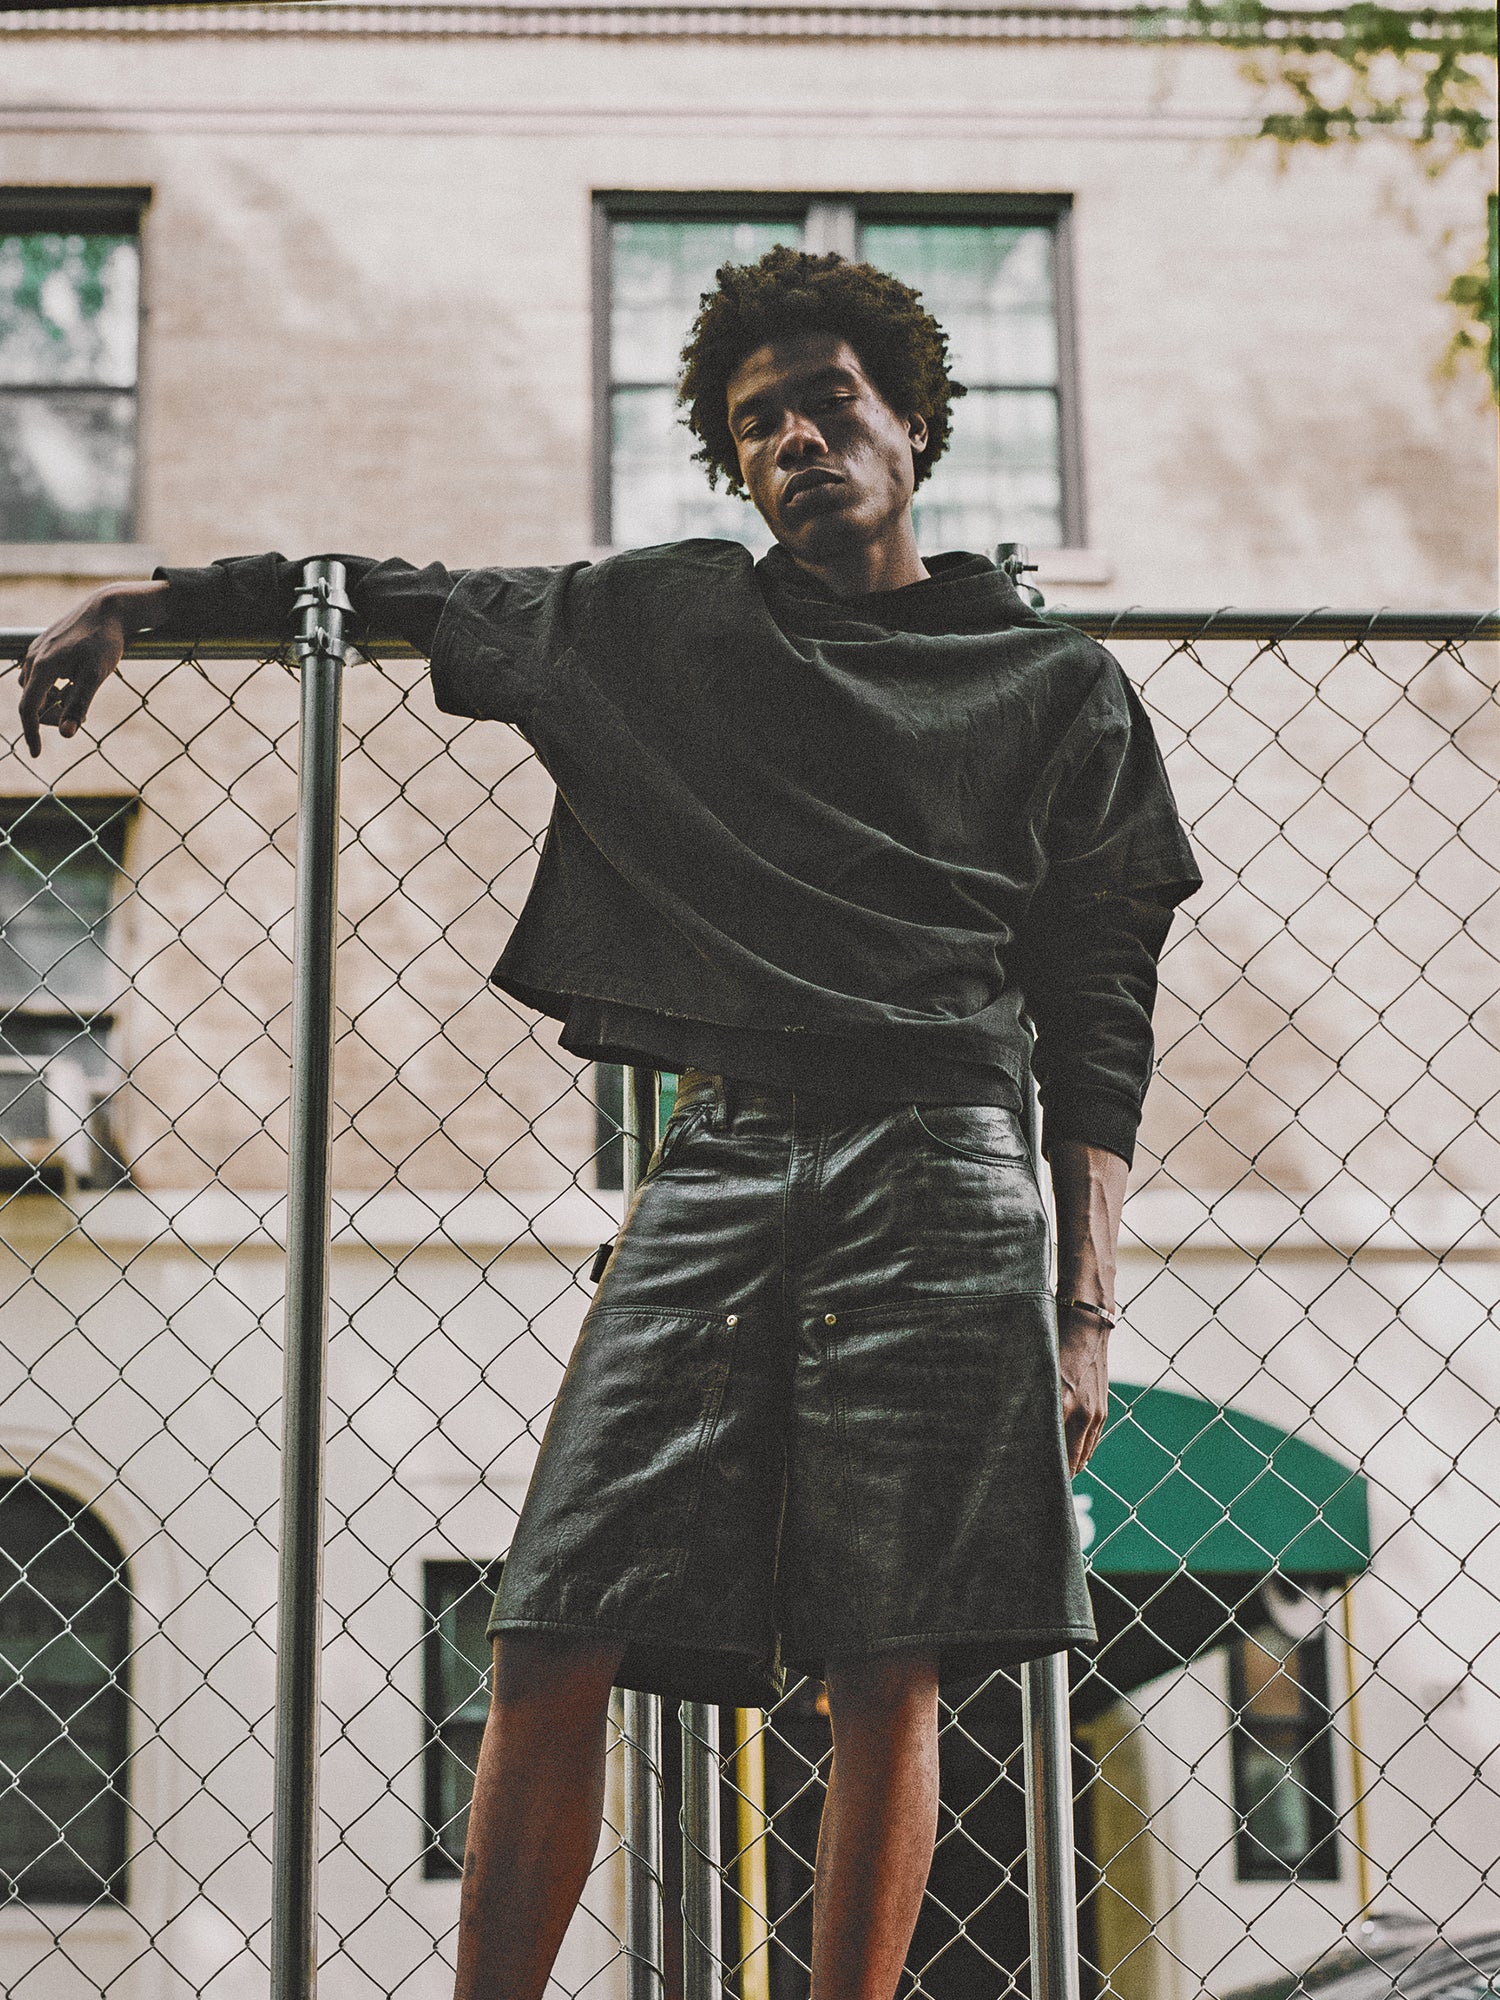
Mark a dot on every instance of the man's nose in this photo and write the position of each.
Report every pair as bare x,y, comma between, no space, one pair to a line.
800,438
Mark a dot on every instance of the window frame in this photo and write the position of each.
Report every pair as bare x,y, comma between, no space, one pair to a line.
637,205
1314,1767
438,1864
110,819
115,1892
37,209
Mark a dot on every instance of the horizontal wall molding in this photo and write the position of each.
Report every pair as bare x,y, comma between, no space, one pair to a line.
26,561
613,23
1074,119
527,1222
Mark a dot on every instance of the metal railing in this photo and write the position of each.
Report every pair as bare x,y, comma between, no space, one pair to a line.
1279,1749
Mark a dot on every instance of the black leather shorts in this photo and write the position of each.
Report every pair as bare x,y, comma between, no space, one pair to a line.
813,1410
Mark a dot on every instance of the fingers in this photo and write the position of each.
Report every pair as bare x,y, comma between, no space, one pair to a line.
36,688
1075,1415
55,692
74,707
1083,1424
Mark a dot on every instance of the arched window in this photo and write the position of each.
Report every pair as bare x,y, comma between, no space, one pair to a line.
64,1634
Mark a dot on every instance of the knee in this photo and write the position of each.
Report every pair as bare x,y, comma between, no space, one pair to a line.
566,1678
888,1685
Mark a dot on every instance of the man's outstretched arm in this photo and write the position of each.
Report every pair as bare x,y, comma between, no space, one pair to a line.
244,595
65,666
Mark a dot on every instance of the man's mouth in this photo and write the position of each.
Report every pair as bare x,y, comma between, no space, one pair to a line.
805,482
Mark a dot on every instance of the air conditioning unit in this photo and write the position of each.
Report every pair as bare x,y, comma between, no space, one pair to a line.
48,1109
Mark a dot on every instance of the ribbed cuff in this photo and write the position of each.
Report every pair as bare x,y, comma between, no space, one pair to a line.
1094,1118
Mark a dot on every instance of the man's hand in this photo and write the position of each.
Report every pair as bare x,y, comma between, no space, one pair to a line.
66,665
1088,1183
1083,1366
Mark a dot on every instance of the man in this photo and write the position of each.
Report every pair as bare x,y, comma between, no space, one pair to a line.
832,828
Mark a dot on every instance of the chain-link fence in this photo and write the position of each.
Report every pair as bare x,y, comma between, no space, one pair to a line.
1284,1747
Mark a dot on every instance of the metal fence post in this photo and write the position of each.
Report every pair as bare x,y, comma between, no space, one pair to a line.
1047,1742
639,1715
321,606
702,1900
1052,1891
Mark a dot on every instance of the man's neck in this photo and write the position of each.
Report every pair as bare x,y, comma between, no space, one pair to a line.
889,564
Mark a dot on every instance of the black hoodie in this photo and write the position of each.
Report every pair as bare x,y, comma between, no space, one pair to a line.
837,844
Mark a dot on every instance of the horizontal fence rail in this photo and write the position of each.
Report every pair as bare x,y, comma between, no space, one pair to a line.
1284,1746
1136,622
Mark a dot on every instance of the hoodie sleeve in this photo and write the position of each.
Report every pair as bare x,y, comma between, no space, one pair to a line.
1117,863
253,596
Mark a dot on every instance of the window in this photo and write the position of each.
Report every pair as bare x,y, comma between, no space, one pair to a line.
59,861
994,274
455,1700
69,325
609,1120
64,1645
1283,1758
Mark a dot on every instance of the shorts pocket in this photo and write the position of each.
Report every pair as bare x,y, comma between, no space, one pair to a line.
989,1132
676,1130
608,1517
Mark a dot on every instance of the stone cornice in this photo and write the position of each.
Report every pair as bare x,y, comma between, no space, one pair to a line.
340,19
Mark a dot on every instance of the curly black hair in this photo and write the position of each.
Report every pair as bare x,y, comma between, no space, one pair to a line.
900,345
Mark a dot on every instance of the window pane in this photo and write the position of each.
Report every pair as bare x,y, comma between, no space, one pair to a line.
660,271
57,872
67,463
456,1680
69,310
989,288
999,480
64,1616
1282,1757
1276,1807
657,493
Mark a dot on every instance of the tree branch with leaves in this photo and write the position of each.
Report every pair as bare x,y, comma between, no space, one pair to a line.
1334,77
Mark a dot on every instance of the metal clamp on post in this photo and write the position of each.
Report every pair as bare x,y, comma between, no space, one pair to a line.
321,607
1014,559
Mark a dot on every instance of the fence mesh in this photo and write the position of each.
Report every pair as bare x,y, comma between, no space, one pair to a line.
1284,1747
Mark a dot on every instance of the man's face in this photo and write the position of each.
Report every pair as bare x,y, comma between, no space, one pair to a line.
825,458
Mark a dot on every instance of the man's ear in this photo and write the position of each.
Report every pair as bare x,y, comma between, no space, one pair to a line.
916,430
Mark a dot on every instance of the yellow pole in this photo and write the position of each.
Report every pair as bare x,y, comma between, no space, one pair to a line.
1356,1755
752,1824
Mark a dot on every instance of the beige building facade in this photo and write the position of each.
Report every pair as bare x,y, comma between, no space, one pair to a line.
400,295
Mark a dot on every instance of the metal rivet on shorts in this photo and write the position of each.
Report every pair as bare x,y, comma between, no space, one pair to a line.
733,1320
830,1319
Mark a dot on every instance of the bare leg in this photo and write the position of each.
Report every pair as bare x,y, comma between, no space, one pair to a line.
879,1824
538,1806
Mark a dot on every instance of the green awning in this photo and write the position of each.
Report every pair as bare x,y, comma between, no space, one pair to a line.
1177,1483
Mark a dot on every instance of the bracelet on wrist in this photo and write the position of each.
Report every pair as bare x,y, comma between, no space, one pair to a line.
1107,1319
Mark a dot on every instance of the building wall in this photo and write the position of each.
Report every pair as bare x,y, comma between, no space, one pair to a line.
368,283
